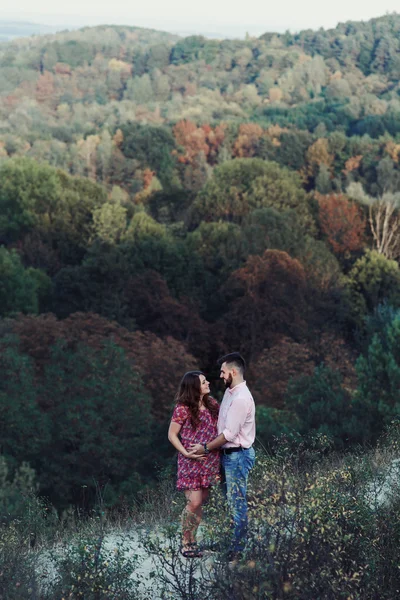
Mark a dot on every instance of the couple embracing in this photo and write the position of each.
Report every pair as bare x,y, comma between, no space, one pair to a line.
210,439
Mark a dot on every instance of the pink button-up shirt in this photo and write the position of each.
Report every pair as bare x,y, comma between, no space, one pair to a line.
237,417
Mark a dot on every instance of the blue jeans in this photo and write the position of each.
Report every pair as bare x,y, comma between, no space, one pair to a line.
236,467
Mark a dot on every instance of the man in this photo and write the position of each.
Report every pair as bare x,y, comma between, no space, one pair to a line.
236,435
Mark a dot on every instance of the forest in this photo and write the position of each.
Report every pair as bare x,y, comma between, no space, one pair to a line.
166,200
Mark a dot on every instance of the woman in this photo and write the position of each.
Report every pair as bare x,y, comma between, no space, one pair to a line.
194,421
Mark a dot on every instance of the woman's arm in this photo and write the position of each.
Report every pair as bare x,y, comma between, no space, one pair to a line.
173,431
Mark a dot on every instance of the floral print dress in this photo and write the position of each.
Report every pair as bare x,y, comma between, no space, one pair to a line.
195,474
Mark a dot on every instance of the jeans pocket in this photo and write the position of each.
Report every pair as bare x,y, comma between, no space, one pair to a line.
231,458
251,458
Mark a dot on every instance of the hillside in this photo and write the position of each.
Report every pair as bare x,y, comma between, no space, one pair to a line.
164,200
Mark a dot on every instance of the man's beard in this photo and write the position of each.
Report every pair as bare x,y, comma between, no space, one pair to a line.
228,382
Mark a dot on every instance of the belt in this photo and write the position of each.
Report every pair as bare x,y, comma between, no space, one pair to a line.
230,450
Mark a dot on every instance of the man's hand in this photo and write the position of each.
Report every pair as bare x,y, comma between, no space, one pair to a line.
196,450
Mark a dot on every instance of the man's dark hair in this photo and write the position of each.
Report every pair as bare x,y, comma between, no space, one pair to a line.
234,359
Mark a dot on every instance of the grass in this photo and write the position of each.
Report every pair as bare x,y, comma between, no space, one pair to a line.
322,526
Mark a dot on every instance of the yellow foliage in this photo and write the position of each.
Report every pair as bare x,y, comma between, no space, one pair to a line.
336,75
393,150
275,94
119,65
353,163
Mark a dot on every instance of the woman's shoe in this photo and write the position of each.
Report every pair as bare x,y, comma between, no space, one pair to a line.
191,551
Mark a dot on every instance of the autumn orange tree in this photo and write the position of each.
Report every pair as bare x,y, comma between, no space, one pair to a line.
196,140
342,222
246,144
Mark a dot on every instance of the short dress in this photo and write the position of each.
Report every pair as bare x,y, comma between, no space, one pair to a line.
196,474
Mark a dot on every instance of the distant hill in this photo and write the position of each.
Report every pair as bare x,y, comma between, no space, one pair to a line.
13,29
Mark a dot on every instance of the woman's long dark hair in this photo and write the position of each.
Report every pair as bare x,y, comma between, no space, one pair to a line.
189,393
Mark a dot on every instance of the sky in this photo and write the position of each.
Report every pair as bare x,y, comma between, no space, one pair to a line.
222,17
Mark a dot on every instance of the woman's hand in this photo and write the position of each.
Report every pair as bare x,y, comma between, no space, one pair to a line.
196,450
193,456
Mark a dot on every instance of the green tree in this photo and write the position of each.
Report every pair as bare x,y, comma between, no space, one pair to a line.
158,56
97,285
38,197
267,228
29,193
241,185
372,280
321,405
377,399
143,225
24,430
100,425
20,288
152,146
139,89
220,245
272,423
109,222
188,49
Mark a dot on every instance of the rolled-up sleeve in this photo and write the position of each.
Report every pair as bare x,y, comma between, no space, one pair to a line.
236,418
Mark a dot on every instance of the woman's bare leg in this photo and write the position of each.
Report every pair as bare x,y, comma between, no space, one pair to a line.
205,495
191,515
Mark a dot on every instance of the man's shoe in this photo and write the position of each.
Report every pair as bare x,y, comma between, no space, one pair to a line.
235,556
231,558
211,546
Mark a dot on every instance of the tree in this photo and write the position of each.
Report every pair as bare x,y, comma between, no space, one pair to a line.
80,197
139,89
220,245
191,138
45,89
275,367
142,226
152,146
269,229
377,401
266,299
29,192
24,430
158,56
36,197
109,222
322,405
100,415
317,155
188,49
20,288
155,309
246,144
342,222
383,218
242,185
323,181
160,361
373,280
293,147
87,150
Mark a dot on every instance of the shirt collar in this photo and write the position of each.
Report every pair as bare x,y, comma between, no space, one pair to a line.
231,390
